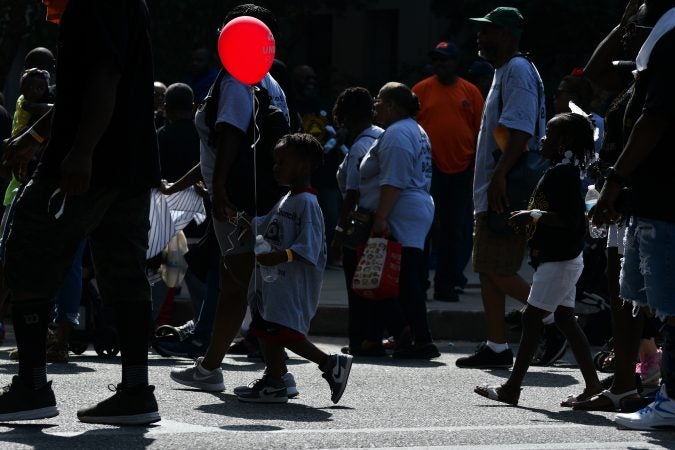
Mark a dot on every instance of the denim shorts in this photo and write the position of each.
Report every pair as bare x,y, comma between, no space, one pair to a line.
648,269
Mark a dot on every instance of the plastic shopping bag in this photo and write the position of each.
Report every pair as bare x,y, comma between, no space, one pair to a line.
378,270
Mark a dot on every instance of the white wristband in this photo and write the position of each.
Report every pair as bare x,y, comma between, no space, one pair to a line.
536,215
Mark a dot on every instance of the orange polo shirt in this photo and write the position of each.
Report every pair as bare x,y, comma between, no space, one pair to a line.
451,117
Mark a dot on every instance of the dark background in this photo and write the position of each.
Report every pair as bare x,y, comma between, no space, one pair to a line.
559,34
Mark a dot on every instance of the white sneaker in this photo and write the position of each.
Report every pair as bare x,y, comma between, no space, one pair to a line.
198,377
658,414
289,381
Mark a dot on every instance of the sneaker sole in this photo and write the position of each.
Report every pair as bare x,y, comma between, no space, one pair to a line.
208,387
338,395
32,414
136,419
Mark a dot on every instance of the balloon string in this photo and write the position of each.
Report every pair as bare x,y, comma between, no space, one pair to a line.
256,138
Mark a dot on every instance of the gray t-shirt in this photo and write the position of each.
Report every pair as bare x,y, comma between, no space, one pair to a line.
348,172
523,106
295,223
235,107
401,157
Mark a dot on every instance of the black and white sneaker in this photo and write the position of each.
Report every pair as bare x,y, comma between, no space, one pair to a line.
289,381
551,348
19,402
265,390
336,374
128,406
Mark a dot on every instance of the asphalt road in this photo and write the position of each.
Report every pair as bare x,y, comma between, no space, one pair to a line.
387,404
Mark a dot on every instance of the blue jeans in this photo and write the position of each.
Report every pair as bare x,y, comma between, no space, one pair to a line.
453,194
648,269
68,298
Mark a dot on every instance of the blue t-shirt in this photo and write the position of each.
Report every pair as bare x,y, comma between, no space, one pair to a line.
295,223
401,157
523,108
348,172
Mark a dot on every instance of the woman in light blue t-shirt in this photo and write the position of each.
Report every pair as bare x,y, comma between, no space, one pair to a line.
395,178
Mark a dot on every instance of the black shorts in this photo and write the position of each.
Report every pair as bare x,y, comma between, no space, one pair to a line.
40,248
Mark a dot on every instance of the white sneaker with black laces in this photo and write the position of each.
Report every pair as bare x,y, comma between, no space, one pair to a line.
289,381
336,374
658,414
199,377
265,390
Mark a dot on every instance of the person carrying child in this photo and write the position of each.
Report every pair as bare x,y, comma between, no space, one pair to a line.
556,224
282,309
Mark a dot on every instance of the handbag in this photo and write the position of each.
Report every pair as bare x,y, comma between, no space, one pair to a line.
357,230
378,271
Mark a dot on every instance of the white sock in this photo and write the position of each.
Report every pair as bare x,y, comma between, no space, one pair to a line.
548,320
497,348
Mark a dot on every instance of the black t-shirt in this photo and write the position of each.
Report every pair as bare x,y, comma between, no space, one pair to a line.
653,182
94,33
558,191
178,148
613,139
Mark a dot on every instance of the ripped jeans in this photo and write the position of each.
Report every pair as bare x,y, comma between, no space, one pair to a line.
648,268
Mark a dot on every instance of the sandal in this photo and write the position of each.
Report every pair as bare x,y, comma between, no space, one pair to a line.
497,393
572,400
599,402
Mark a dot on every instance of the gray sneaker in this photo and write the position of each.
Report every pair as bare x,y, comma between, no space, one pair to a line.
194,377
289,381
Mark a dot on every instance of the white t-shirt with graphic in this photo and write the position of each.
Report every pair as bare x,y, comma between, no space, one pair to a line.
348,172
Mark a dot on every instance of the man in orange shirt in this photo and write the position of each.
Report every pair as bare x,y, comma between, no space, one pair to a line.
450,113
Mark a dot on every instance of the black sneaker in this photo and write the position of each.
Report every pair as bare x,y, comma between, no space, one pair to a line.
19,402
426,351
486,358
337,374
265,390
551,348
128,406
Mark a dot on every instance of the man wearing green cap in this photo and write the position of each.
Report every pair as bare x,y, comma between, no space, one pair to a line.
514,110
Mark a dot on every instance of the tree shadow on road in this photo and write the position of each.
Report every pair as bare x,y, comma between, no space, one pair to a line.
37,436
551,378
293,412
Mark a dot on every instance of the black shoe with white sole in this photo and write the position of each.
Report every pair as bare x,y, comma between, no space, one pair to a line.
20,402
336,374
265,390
128,406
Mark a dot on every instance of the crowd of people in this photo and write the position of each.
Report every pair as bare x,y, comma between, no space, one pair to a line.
451,169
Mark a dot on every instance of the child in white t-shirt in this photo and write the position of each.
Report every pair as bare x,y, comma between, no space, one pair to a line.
283,308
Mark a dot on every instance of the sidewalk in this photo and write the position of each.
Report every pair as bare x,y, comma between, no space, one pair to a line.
463,320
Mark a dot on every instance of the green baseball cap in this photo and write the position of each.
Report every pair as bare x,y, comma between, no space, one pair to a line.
506,17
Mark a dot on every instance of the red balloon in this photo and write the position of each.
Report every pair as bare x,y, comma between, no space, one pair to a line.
246,48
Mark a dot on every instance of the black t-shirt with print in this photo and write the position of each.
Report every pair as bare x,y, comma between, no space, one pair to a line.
92,34
653,182
559,191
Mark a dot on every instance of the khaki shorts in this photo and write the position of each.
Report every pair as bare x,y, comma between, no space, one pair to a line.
496,253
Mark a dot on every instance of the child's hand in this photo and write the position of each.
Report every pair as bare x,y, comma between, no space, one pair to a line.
520,219
272,258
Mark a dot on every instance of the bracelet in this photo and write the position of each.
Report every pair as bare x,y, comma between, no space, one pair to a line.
39,139
339,229
615,177
289,255
536,215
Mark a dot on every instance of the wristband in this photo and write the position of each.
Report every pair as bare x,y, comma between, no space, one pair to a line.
615,177
339,229
39,139
536,215
289,255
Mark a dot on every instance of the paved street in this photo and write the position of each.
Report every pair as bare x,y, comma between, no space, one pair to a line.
387,404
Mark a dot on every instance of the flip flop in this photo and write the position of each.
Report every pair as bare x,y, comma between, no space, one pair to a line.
572,400
496,393
599,402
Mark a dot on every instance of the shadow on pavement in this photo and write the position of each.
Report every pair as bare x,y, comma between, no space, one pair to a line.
292,411
37,436
539,379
